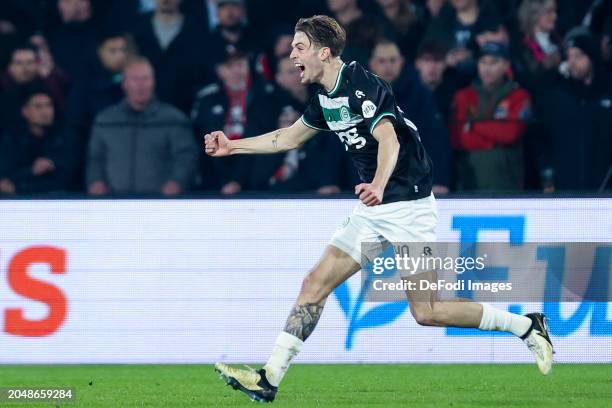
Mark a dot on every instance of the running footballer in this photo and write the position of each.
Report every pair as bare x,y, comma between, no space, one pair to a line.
396,203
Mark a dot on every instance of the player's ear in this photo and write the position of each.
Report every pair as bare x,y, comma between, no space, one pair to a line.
324,53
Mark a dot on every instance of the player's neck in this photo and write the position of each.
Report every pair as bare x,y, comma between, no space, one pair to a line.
331,73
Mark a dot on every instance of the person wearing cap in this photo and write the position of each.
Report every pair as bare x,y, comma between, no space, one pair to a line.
578,114
488,120
228,104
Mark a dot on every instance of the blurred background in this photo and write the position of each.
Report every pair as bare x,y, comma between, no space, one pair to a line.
112,97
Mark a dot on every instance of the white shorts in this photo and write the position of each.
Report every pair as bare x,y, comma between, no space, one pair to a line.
402,221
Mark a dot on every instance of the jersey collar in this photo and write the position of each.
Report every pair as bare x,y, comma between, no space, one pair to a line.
338,81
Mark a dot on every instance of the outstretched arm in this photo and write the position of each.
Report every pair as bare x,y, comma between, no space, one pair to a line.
217,144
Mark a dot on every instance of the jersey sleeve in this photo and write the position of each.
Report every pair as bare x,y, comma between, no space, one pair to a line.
313,116
373,99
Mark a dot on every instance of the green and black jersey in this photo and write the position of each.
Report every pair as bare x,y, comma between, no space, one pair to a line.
352,109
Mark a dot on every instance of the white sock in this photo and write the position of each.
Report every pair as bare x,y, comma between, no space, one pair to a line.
287,346
501,320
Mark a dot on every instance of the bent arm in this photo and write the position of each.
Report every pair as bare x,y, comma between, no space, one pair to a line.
277,141
388,152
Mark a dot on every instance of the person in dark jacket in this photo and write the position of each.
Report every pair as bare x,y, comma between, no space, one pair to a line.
37,156
173,42
102,88
26,70
538,53
488,122
73,41
455,28
578,114
418,102
141,145
363,29
408,20
232,30
441,79
227,104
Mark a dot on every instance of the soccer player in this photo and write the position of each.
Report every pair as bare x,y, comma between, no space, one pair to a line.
396,201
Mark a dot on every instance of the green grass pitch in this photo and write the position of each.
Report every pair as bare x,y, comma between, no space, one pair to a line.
325,386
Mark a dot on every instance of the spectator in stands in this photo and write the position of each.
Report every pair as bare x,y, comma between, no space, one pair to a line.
317,165
73,42
420,106
24,70
437,76
489,119
491,29
36,157
434,7
362,30
408,21
232,30
102,88
289,93
579,115
454,28
226,105
539,56
280,39
173,42
141,145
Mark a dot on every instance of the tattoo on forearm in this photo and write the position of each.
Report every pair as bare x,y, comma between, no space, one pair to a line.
303,319
275,140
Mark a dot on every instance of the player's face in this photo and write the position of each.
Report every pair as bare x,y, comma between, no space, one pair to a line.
580,66
387,62
491,70
39,110
307,58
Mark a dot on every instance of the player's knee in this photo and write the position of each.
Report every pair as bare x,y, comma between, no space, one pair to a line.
313,290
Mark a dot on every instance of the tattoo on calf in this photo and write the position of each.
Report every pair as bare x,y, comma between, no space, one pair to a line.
303,319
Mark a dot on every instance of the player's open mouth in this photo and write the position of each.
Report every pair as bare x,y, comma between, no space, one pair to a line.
301,68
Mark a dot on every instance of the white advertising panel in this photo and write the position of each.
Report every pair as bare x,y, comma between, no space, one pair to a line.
199,281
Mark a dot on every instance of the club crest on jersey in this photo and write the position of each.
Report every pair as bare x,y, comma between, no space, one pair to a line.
368,109
345,114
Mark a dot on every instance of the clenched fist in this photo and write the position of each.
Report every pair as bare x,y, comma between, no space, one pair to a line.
369,194
216,144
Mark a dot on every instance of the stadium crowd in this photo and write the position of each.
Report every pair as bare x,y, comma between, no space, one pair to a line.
114,96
